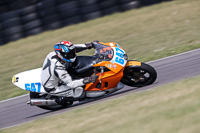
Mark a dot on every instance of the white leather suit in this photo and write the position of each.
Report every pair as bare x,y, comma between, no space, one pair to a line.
55,79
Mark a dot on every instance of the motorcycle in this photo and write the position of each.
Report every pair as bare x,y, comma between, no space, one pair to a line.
109,63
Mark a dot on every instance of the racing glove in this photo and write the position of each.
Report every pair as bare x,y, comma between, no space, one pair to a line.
91,45
90,79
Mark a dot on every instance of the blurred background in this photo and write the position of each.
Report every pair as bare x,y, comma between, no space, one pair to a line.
22,18
145,32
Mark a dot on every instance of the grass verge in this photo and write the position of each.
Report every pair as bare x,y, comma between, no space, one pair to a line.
146,34
171,108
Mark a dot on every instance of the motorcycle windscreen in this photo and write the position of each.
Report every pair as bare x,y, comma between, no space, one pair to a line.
29,80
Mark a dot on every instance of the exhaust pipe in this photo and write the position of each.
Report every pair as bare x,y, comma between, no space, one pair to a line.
42,102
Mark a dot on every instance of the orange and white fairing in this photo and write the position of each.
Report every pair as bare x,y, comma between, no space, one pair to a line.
115,61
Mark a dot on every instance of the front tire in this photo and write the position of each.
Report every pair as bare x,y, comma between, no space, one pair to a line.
139,76
53,107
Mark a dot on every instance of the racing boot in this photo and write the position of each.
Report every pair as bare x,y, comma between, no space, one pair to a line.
70,95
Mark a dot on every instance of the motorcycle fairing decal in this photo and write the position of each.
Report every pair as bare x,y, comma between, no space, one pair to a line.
15,79
35,87
119,57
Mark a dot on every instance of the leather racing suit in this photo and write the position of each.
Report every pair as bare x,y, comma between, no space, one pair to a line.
55,79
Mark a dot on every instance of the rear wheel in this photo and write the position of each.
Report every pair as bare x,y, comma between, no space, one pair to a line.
53,107
139,76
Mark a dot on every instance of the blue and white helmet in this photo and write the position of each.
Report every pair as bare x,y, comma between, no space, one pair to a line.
66,51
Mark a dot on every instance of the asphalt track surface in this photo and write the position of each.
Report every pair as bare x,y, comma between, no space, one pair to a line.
15,111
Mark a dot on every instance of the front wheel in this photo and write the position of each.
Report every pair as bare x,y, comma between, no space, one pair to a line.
52,107
139,76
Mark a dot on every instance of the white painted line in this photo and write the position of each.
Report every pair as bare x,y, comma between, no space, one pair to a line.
146,62
174,55
14,98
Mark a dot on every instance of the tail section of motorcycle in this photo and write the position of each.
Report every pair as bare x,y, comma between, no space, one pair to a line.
138,74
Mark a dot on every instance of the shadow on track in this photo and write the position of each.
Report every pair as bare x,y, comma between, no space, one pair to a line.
102,98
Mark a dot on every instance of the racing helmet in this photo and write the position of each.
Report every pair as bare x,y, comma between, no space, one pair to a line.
66,51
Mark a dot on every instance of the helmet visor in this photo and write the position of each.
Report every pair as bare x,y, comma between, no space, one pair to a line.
69,55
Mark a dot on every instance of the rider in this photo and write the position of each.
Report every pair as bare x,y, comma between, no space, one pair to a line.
55,78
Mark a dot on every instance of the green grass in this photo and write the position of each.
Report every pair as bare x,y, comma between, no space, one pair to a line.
171,108
146,34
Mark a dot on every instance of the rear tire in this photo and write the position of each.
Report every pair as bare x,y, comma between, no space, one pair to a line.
53,108
139,76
